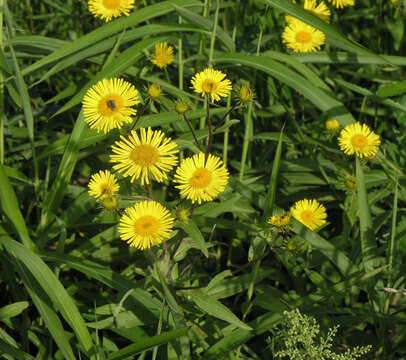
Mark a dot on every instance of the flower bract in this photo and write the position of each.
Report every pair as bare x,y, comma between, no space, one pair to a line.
108,104
103,185
359,140
108,9
148,153
301,37
332,125
163,55
310,213
211,82
200,181
145,224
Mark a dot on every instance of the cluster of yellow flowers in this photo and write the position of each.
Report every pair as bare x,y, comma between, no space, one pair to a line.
147,154
301,37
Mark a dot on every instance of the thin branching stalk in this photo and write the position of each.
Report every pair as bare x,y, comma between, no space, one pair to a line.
213,35
192,131
210,131
139,114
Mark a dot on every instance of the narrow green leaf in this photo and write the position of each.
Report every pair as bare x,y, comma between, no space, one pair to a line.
215,308
53,288
12,310
9,206
15,353
395,89
193,231
147,343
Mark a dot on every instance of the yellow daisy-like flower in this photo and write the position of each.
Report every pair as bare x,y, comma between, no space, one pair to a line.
341,3
150,153
332,125
103,185
199,181
107,105
301,37
211,82
108,9
280,220
310,213
321,10
359,140
163,55
145,224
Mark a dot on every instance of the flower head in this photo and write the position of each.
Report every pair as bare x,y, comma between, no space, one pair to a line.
321,10
138,156
108,9
341,3
103,185
280,220
200,181
163,55
301,37
154,91
181,107
244,95
310,213
145,224
108,104
332,125
211,82
359,140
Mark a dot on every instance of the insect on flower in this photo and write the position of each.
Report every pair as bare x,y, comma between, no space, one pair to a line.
111,104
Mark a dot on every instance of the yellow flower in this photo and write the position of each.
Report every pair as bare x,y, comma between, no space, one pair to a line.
103,185
301,37
145,224
332,125
199,181
310,213
244,94
154,91
280,220
108,9
210,82
150,153
321,10
359,140
342,3
163,55
107,105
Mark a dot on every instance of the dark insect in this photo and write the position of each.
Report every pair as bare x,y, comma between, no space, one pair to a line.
111,104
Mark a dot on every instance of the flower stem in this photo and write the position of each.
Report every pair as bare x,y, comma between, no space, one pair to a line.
210,131
192,131
2,115
213,35
180,54
139,114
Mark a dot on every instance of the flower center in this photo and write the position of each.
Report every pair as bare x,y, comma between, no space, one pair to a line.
209,86
359,141
144,155
303,37
111,4
146,225
200,178
307,216
110,105
105,189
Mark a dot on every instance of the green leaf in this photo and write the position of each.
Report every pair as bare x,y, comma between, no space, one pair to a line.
190,228
323,100
147,343
12,310
215,308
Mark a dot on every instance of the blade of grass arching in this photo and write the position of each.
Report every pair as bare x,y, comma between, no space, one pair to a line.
274,179
206,24
368,243
240,336
44,307
333,36
125,60
190,228
109,29
53,288
323,100
29,118
147,343
64,173
10,207
348,58
15,353
12,310
113,52
335,255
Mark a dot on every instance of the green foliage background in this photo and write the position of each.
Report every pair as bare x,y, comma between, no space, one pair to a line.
71,289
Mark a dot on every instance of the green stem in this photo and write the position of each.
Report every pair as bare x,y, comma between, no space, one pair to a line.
180,54
2,115
247,132
210,130
213,35
192,131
